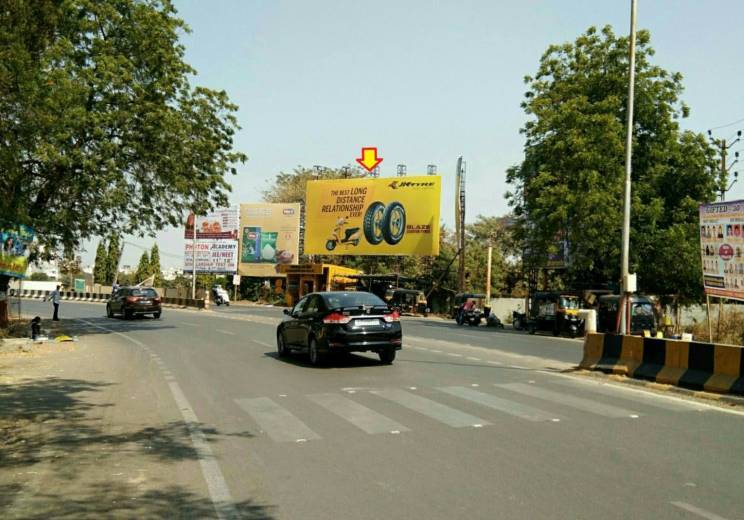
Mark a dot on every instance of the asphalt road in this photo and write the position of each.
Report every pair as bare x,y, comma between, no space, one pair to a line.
468,423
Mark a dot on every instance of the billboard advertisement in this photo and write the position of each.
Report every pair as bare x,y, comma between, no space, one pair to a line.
722,248
216,242
14,250
374,216
269,235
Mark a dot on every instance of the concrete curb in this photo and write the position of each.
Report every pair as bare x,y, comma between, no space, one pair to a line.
103,298
687,364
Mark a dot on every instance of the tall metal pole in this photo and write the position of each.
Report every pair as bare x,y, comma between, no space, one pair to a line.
624,325
460,222
488,275
193,263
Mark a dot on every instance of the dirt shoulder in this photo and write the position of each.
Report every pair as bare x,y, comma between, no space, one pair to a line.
89,429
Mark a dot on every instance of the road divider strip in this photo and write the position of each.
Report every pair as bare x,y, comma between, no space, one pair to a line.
692,365
101,298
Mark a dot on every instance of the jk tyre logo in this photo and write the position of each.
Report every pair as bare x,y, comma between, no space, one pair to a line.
408,184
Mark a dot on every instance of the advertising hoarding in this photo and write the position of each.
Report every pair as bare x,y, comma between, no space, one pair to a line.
374,216
216,242
14,250
269,235
722,248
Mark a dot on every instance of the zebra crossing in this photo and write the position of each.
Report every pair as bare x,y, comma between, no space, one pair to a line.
487,405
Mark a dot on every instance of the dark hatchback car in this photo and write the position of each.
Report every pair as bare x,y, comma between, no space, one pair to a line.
134,301
329,322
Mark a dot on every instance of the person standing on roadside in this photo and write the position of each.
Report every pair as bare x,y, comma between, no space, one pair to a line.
55,297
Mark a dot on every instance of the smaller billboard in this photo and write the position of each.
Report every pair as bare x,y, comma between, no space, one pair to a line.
216,242
15,242
269,235
722,248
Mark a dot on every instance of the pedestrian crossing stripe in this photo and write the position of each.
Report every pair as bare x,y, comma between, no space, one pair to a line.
281,425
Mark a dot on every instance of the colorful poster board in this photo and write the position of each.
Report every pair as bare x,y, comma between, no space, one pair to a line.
722,248
216,242
269,236
15,242
373,216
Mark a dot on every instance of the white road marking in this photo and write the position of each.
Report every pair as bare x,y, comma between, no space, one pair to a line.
360,416
429,408
279,423
453,354
494,362
471,358
222,331
671,402
219,492
579,403
702,513
262,343
437,351
502,405
187,324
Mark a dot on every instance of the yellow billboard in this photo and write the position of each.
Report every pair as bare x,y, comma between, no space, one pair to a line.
269,235
375,216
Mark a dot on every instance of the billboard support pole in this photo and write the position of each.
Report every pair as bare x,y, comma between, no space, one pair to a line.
193,263
710,327
488,275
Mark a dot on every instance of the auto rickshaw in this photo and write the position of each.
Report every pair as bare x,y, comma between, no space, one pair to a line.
407,301
555,312
642,317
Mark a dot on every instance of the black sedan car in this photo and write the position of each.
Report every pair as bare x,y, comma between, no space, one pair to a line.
328,322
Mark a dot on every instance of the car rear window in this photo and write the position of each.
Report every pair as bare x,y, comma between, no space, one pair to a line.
148,293
352,299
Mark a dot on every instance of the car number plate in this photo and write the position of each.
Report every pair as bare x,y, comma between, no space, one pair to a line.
145,302
364,323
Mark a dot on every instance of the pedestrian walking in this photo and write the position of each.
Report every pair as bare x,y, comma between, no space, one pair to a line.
55,297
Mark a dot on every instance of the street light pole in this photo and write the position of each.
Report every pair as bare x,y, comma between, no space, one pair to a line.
627,285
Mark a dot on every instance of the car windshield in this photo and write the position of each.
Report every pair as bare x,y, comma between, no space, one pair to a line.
149,293
643,309
569,303
352,299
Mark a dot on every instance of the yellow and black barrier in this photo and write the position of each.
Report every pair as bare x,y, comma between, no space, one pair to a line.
687,364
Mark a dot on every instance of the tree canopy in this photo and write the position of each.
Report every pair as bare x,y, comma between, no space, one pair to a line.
102,131
569,188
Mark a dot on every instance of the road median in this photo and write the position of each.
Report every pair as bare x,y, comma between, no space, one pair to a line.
692,365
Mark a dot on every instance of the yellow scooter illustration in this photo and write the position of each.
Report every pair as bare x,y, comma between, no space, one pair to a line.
350,236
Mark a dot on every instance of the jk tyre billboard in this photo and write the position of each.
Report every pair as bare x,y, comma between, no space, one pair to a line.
269,235
380,216
722,248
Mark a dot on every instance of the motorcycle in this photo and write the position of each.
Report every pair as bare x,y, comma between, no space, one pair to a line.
519,320
493,321
220,296
472,317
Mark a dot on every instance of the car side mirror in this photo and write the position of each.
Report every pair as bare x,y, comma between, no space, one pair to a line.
286,311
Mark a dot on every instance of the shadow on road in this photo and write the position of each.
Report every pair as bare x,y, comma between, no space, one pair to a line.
55,423
350,360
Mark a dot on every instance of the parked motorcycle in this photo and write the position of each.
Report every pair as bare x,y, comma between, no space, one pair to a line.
519,320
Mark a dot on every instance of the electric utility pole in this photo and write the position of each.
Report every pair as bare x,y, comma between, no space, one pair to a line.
724,146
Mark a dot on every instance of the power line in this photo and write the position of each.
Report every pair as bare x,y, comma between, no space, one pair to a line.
730,124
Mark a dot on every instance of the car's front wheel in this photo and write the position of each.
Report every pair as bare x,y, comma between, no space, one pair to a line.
387,356
109,312
316,358
281,348
156,315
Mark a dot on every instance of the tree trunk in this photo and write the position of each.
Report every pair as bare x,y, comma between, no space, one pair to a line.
4,283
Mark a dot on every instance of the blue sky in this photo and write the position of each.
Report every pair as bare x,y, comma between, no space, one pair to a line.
425,81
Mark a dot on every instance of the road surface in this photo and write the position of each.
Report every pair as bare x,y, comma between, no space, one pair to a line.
467,423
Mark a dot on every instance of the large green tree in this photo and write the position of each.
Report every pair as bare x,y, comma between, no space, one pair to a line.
100,265
101,130
569,188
